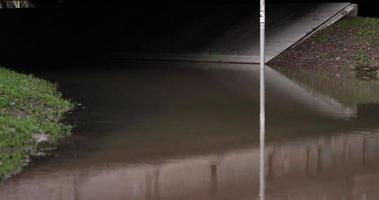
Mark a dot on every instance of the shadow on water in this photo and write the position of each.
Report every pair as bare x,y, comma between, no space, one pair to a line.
190,131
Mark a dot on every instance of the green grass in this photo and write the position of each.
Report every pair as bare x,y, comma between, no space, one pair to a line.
29,107
350,43
364,33
366,27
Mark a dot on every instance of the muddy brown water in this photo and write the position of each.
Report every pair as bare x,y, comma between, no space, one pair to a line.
190,131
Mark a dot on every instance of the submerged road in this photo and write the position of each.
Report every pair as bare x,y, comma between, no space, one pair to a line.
166,130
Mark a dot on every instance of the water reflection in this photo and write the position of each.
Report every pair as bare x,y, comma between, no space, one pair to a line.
262,159
344,165
162,132
262,129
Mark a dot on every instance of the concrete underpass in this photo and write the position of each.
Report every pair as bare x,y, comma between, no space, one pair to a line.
205,33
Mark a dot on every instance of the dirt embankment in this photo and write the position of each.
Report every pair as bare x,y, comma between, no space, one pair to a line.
350,45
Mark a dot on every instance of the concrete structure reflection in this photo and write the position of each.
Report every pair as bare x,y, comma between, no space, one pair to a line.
334,167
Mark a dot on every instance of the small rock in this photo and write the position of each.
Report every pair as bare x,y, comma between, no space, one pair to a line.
40,137
365,78
365,68
352,67
40,153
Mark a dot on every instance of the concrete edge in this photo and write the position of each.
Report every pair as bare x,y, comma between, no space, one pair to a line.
349,11
216,58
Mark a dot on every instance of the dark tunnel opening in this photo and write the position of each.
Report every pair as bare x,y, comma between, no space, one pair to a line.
57,28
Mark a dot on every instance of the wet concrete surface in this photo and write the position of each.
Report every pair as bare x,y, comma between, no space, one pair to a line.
157,130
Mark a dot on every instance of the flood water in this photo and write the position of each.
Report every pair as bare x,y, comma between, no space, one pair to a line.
159,130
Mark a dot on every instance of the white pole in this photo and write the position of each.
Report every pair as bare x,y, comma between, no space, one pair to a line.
262,101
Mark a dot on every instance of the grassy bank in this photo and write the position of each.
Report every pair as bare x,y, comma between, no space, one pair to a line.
351,44
31,110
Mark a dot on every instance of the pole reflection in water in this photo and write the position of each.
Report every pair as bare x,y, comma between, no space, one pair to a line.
262,162
262,133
